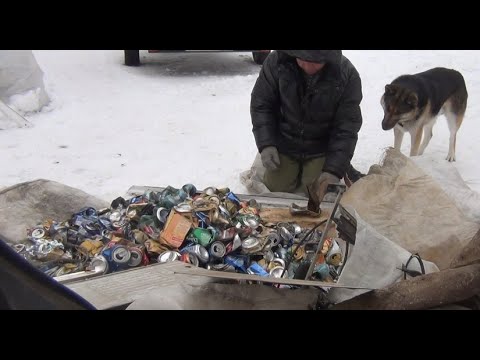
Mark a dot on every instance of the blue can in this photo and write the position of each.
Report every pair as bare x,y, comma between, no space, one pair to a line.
87,212
322,271
199,251
106,223
239,262
117,257
93,227
203,220
232,197
137,199
256,269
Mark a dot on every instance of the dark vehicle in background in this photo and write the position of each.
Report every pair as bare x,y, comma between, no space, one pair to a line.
132,57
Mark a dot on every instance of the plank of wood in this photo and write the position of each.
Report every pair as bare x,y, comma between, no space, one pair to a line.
195,271
275,207
274,200
276,215
122,288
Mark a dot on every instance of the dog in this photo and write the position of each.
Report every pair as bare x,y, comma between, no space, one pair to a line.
412,103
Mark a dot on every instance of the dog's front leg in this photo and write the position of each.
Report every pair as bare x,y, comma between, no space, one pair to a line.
398,133
416,136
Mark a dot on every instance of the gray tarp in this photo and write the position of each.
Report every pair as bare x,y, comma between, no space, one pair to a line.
419,204
406,205
28,204
449,179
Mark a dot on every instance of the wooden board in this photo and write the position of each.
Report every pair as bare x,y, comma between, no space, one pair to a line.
276,215
275,207
124,287
271,200
195,271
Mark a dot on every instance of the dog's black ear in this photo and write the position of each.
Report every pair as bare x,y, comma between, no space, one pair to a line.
412,99
390,89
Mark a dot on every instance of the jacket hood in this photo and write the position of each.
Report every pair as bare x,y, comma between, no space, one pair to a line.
319,56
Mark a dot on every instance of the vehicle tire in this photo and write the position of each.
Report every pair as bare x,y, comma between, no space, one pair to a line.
132,57
259,56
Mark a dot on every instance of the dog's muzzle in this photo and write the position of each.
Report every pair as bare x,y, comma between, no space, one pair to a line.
387,125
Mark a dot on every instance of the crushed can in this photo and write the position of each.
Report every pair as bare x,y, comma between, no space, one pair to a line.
234,245
217,250
136,256
221,267
117,257
321,271
87,212
170,197
202,236
190,189
273,239
168,256
199,251
278,271
334,255
227,234
239,262
232,197
99,264
256,269
190,258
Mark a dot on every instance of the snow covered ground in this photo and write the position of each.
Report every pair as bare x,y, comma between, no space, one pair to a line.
185,118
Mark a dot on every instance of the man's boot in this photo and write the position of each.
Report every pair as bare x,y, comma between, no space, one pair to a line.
353,174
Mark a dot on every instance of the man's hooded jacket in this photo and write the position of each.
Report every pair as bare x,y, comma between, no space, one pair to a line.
308,116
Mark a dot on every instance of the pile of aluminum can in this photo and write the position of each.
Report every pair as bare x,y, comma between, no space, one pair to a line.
212,229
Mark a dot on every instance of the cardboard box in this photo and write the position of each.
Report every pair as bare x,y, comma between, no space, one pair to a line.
175,230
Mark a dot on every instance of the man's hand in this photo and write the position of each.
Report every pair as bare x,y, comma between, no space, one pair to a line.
270,158
318,188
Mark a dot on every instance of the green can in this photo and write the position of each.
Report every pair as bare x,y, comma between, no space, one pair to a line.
202,236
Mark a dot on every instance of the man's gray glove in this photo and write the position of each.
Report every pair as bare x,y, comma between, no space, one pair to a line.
318,188
270,158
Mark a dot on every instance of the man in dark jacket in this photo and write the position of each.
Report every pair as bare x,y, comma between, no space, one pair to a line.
305,110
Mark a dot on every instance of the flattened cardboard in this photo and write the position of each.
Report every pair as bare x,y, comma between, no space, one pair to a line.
175,230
